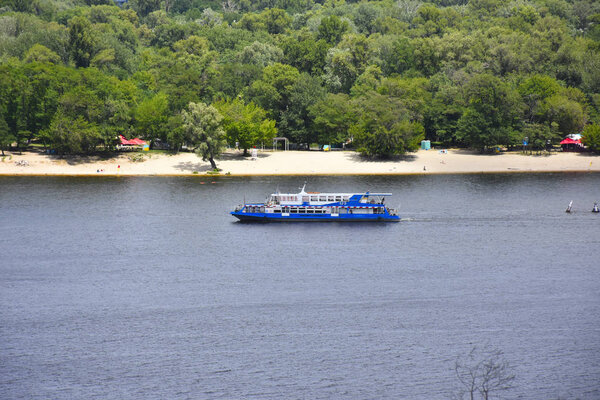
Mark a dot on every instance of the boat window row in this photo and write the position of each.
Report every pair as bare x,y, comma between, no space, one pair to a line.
330,198
304,210
288,198
255,209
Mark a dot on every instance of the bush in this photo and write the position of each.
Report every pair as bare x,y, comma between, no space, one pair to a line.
591,138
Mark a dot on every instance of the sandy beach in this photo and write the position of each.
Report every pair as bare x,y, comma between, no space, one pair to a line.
297,163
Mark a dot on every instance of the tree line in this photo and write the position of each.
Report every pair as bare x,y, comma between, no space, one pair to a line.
378,76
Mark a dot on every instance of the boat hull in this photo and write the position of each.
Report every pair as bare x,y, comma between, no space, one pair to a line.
276,217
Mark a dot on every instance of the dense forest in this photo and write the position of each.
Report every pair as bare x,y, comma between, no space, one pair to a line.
378,76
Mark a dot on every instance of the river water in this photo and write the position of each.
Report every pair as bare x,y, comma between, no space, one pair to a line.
147,288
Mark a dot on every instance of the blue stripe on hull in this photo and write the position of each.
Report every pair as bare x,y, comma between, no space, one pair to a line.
260,217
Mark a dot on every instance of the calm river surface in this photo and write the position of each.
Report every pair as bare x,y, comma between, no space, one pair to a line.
146,288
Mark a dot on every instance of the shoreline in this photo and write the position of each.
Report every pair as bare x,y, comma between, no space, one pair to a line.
296,163
218,176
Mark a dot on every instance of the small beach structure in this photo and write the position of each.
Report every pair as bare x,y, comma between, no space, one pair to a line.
130,144
572,143
286,143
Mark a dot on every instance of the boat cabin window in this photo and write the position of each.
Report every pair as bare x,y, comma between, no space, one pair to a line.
322,198
338,198
346,198
314,198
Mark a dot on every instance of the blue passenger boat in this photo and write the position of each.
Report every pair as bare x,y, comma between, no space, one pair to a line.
314,206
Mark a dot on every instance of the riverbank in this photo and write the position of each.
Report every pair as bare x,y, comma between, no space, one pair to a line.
296,163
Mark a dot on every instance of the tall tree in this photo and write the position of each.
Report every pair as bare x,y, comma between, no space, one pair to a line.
203,125
81,41
296,121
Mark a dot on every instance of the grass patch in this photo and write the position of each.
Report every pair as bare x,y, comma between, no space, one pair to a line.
138,157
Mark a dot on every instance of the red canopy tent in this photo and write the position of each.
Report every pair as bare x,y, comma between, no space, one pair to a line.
569,144
132,142
568,140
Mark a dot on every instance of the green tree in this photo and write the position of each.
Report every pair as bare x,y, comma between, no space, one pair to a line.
175,132
365,17
393,54
295,122
203,125
261,54
332,118
72,135
145,7
539,135
346,62
591,137
234,78
332,28
273,91
534,90
151,117
245,123
568,114
276,20
6,138
492,114
305,53
41,53
81,41
383,129
375,140
445,109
